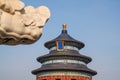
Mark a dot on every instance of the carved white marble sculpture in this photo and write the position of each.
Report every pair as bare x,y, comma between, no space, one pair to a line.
19,25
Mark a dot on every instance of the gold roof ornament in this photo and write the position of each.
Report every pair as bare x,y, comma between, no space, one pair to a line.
64,26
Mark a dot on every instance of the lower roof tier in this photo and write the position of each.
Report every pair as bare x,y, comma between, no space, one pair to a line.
63,73
62,66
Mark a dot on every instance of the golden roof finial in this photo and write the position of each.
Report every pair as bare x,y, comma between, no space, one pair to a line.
64,26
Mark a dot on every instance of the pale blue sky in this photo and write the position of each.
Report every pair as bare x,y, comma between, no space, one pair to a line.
94,22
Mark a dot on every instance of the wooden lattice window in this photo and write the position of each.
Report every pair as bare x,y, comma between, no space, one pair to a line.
58,79
73,79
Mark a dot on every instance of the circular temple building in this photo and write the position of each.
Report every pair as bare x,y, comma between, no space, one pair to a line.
64,62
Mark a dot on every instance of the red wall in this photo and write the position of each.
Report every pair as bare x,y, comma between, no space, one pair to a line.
63,78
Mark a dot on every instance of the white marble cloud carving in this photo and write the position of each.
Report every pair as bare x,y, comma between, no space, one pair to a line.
19,24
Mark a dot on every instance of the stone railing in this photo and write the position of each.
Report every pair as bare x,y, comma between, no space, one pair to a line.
19,24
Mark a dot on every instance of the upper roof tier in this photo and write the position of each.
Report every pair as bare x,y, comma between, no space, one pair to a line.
68,40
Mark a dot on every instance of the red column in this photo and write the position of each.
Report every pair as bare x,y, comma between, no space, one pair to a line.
63,78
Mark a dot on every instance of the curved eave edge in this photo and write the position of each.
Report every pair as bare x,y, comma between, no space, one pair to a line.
49,44
41,58
92,72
